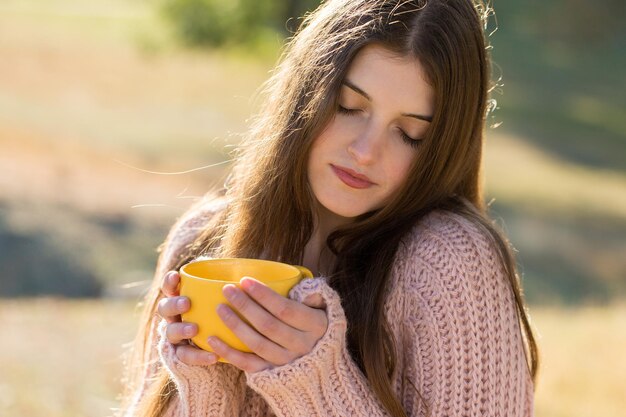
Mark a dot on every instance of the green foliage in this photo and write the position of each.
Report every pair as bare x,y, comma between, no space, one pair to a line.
219,22
199,21
559,61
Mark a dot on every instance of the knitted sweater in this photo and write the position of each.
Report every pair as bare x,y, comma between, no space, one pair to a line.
452,314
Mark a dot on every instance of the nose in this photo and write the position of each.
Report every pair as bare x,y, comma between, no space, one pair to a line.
365,147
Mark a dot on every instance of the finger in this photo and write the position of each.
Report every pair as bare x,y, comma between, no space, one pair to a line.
193,356
248,362
291,312
169,285
264,322
177,332
172,307
315,301
259,344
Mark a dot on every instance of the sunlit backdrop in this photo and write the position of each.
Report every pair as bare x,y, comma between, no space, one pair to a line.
116,114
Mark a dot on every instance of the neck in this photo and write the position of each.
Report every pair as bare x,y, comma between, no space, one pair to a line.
317,256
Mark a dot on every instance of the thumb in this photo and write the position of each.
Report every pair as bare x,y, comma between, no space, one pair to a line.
314,300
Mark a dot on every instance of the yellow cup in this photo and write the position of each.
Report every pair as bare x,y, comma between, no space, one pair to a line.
202,282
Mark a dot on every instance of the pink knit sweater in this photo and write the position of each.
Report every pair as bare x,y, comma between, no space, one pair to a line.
451,311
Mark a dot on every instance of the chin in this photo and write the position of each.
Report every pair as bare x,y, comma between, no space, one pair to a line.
348,211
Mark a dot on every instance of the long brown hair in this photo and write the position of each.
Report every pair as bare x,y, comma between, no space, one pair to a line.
269,199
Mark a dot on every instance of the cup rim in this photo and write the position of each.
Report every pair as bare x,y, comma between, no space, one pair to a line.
190,276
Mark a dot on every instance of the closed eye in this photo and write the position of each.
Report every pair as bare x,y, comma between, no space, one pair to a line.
343,110
409,140
406,138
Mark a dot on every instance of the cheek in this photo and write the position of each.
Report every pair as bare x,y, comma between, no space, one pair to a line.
318,156
324,144
399,167
316,152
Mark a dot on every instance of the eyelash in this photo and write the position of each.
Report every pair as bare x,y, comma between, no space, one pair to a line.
409,140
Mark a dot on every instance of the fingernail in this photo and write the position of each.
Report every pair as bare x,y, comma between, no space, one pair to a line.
223,311
212,358
189,330
248,284
229,291
181,303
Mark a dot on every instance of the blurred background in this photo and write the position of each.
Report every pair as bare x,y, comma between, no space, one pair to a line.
108,108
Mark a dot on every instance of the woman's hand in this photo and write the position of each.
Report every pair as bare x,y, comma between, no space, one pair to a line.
177,332
286,329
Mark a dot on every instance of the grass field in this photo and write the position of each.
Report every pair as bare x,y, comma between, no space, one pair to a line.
63,358
93,95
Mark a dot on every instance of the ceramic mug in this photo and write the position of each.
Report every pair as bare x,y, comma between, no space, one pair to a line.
202,282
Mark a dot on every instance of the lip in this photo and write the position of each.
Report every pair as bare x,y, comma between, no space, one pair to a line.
351,178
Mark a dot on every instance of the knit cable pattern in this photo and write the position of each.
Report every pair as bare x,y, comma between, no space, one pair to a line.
326,381
450,310
216,390
461,340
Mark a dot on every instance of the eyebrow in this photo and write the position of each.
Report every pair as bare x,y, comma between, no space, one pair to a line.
356,89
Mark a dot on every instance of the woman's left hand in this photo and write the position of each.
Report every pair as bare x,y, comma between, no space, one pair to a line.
286,329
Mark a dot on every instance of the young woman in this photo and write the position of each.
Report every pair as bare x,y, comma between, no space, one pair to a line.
363,165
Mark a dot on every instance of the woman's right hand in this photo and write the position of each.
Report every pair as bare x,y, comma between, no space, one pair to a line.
177,332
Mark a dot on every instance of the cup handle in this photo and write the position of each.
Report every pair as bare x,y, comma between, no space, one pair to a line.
306,273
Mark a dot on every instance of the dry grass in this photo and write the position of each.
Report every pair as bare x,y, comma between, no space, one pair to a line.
75,95
76,73
522,174
63,358
583,371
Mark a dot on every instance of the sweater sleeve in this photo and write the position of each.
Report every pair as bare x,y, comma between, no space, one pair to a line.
458,340
462,346
326,381
214,391
218,390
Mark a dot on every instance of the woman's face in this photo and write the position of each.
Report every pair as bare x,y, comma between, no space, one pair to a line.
385,107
